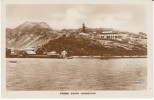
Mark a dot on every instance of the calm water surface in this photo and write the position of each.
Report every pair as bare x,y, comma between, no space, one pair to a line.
76,74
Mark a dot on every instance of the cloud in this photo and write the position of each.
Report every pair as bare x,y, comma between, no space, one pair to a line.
121,17
117,21
71,19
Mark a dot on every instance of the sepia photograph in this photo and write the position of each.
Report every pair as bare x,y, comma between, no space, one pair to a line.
76,47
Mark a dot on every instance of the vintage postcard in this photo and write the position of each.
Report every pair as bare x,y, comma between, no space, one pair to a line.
76,48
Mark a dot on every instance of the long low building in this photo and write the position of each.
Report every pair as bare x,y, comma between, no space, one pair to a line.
110,36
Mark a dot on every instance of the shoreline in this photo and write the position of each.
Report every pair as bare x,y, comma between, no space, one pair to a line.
85,57
109,57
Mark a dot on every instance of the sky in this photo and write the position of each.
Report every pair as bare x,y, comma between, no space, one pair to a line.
126,17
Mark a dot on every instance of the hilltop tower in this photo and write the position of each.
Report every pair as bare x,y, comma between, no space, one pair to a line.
83,28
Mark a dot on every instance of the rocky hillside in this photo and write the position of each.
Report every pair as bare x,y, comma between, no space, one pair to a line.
29,34
78,45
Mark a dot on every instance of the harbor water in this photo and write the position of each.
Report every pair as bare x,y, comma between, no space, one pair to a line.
76,74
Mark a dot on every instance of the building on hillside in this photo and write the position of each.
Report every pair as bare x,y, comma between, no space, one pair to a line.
109,35
64,53
53,54
30,53
13,54
84,34
8,52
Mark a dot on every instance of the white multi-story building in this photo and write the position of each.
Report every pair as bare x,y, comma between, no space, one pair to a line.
109,35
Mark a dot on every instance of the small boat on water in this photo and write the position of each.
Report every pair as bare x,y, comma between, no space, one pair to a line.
13,61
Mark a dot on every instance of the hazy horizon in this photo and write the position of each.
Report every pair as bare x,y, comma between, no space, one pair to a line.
130,18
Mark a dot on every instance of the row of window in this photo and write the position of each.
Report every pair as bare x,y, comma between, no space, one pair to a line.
110,37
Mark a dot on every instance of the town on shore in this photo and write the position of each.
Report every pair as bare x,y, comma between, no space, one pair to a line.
83,42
